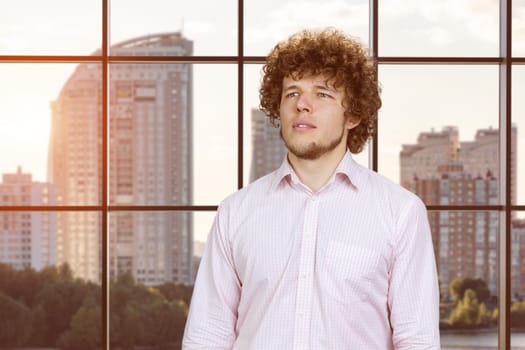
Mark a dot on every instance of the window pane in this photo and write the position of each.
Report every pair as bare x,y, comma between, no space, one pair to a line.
46,279
215,132
202,224
518,28
49,135
438,28
264,150
210,25
151,268
167,148
154,247
438,132
53,27
517,310
518,134
466,246
269,22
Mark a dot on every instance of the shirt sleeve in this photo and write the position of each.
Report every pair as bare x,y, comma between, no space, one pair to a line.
213,311
413,297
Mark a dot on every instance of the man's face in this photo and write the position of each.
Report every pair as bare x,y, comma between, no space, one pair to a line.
312,117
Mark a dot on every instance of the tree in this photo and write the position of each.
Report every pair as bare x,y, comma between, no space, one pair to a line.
163,323
517,314
455,289
172,291
458,287
479,286
15,322
468,312
86,329
60,301
146,316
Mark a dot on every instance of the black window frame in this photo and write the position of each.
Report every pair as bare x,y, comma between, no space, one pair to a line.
505,61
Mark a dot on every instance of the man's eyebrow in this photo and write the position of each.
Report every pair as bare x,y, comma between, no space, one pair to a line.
325,87
290,87
317,86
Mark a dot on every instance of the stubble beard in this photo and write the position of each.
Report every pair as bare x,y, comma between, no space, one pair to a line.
313,150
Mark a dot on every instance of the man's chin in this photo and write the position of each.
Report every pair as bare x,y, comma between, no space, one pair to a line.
310,153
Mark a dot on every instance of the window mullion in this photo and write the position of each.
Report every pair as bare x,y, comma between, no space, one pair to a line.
504,259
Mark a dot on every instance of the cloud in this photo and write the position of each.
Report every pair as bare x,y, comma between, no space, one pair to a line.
440,36
518,23
447,21
198,27
293,16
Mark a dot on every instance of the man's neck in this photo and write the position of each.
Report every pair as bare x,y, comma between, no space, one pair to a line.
316,173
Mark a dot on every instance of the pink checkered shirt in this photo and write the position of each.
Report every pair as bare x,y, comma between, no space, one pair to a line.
348,267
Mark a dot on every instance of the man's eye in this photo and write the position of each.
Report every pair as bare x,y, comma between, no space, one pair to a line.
322,94
292,94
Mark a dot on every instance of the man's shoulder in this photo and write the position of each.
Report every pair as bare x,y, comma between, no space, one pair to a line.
386,188
254,191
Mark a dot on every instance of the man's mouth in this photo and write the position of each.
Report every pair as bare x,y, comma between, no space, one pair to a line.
303,125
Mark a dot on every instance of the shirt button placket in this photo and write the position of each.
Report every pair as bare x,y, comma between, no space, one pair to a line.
304,283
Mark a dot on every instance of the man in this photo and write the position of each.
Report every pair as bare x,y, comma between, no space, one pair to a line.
322,253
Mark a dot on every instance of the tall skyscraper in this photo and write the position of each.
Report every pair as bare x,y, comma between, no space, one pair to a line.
150,163
465,242
434,149
518,258
444,171
268,150
27,239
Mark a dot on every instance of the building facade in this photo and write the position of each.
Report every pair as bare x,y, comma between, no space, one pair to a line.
465,242
27,239
150,163
518,259
444,171
268,150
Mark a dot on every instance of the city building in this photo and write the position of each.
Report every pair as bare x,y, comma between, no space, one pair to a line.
27,239
150,163
465,242
444,171
432,149
268,150
477,157
518,259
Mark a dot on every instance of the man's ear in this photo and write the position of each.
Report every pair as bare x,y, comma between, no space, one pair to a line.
351,122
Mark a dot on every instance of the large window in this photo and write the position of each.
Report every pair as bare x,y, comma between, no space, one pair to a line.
124,124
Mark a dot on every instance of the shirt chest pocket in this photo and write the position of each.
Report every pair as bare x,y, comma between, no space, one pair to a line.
349,272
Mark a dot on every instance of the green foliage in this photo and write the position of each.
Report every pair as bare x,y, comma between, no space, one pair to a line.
458,288
15,322
86,329
145,316
469,313
454,289
163,323
517,314
172,291
60,301
50,308
495,315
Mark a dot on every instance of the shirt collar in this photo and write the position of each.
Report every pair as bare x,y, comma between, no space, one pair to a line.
347,169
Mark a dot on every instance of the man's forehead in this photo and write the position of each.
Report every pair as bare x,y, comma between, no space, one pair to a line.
316,79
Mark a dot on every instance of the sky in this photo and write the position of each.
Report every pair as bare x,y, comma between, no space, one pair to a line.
415,98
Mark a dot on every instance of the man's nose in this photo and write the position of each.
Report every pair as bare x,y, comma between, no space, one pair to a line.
304,103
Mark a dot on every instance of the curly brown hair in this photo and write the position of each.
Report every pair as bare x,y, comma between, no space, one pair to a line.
339,58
